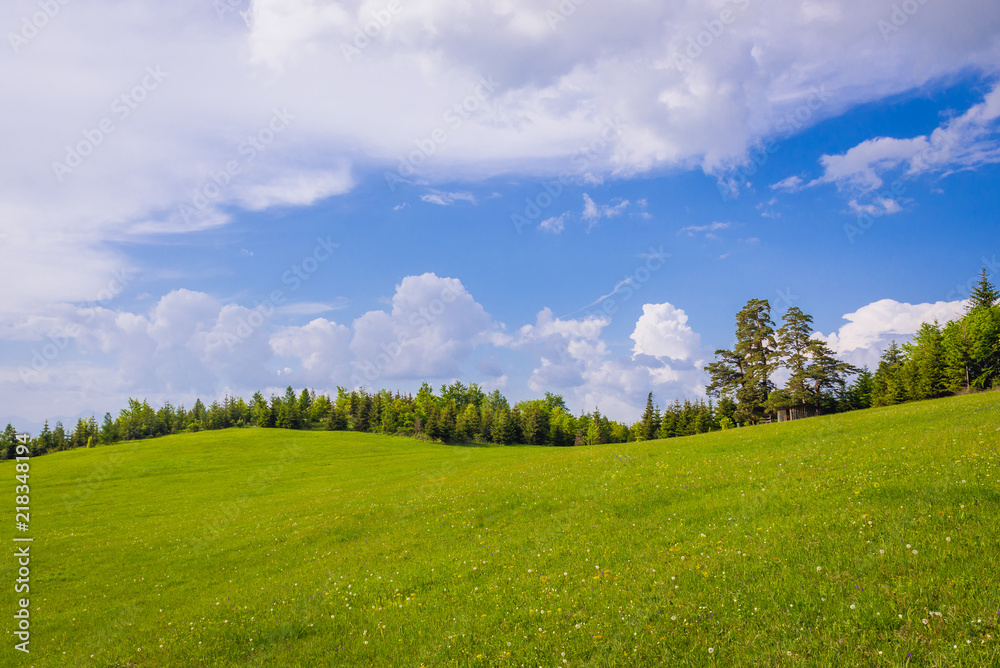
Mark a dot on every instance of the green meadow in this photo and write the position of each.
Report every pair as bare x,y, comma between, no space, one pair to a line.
862,539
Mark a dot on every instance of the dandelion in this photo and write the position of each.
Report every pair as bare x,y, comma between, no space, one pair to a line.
819,568
711,650
852,606
924,621
948,539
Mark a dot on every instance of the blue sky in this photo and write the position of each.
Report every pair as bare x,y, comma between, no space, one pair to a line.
533,196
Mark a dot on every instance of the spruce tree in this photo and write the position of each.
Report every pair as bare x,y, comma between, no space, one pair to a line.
984,295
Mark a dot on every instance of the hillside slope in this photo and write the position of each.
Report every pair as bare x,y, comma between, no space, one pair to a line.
860,539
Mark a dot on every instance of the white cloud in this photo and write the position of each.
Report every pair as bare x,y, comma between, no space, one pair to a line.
312,308
871,329
554,225
593,212
446,199
692,230
433,327
618,81
790,185
967,141
662,331
322,348
299,189
574,360
880,206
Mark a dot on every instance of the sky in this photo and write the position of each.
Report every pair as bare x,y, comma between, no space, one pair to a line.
575,196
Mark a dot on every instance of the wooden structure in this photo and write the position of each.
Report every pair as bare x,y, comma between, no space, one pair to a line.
796,413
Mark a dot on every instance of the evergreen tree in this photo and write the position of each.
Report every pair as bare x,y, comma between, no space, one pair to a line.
59,436
859,394
888,387
305,401
984,295
8,442
817,378
650,423
923,373
744,373
44,441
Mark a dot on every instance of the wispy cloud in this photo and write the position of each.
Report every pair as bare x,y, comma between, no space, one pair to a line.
554,225
448,198
790,185
695,230
593,212
881,206
314,308
964,142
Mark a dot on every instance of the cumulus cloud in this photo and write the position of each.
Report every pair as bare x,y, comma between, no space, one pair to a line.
322,348
251,111
662,331
189,343
573,359
434,325
871,329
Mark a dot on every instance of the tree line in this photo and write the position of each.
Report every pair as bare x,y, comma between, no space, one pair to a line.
458,413
962,356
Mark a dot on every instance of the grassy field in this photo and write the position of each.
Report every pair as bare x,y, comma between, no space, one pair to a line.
864,539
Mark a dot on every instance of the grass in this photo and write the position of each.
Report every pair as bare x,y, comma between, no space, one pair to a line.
863,539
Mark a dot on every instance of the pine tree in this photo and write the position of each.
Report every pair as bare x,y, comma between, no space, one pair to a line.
984,295
650,424
888,388
924,371
8,443
44,443
744,373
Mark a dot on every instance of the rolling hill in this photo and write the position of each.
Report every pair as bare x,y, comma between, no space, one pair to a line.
868,538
